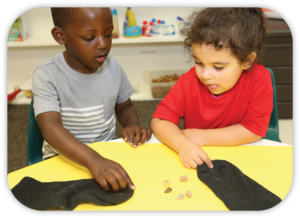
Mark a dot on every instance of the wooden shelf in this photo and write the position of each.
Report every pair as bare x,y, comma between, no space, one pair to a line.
38,41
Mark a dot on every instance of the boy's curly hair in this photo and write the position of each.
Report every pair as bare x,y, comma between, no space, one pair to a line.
62,17
242,30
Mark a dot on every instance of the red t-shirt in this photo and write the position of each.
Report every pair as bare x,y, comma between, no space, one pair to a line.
249,103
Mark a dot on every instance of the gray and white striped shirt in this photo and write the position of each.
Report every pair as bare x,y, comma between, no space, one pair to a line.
86,102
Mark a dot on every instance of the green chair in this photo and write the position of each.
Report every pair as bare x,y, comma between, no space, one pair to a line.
273,129
35,139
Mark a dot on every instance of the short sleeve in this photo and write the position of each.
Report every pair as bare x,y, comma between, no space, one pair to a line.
126,89
260,106
173,106
45,95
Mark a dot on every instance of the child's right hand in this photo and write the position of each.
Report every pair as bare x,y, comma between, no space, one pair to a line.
106,172
191,155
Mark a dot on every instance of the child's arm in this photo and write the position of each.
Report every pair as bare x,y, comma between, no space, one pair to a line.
133,132
191,154
103,170
232,135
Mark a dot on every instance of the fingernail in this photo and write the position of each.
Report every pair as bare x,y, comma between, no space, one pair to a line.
132,187
211,166
139,143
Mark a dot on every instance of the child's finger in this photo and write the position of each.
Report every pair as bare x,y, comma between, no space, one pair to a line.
103,183
127,178
121,179
198,160
207,160
186,164
131,137
138,137
113,182
148,135
193,164
144,137
124,135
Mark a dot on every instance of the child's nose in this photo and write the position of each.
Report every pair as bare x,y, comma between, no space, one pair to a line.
206,74
101,42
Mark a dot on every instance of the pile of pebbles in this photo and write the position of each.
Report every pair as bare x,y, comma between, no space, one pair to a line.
167,183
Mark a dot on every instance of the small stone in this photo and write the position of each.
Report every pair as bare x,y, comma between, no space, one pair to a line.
168,190
189,194
166,183
180,197
183,178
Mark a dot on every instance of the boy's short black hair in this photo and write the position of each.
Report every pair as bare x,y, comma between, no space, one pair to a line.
62,17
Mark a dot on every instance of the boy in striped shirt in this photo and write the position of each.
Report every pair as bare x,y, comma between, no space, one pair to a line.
77,92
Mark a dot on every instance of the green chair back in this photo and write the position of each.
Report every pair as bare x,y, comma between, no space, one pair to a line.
35,139
273,129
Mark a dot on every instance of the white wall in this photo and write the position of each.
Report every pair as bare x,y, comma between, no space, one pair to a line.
135,58
40,22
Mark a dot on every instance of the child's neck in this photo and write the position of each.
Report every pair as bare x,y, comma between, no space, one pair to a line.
215,96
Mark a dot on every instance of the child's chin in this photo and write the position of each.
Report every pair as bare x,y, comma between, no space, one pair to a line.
217,93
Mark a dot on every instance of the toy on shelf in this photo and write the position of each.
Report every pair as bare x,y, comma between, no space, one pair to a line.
146,28
130,29
153,21
156,26
115,31
160,27
181,24
167,29
11,96
18,31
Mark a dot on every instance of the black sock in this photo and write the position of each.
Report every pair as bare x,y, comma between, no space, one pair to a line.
66,195
235,189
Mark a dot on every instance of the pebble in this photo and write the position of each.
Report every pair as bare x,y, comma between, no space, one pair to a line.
183,178
166,183
168,190
189,194
180,197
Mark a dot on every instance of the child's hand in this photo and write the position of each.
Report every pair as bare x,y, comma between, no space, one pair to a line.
136,135
106,172
192,155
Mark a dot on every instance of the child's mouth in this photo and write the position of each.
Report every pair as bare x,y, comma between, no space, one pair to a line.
100,59
212,86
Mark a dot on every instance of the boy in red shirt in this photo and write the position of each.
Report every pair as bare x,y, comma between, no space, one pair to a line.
227,98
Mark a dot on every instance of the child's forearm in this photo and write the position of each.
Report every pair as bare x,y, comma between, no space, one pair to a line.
127,114
64,142
232,135
169,133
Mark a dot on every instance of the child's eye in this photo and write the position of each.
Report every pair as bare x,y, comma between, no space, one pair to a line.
89,39
198,63
218,68
108,36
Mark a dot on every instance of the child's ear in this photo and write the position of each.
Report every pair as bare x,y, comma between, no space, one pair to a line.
58,35
251,57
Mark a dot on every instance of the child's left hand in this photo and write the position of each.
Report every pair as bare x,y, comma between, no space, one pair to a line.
136,135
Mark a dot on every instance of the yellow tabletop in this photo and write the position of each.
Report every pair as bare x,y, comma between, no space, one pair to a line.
151,164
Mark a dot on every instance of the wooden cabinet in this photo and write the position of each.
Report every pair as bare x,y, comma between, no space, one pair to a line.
279,57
